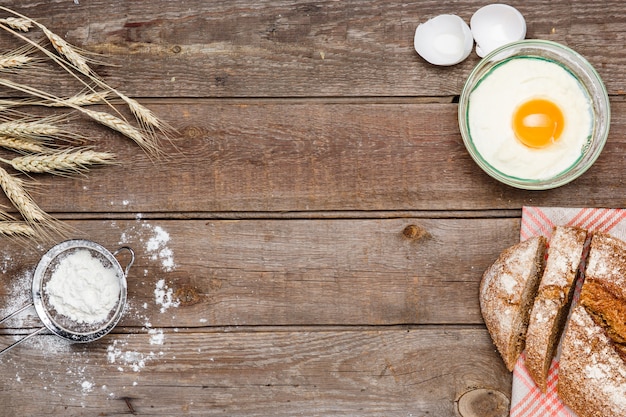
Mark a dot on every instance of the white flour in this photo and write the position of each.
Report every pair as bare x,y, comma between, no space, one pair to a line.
80,375
82,288
164,296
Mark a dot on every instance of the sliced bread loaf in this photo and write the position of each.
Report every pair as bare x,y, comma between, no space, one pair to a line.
592,371
507,291
553,301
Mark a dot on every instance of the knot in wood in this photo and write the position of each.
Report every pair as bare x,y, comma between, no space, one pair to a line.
415,232
187,295
483,402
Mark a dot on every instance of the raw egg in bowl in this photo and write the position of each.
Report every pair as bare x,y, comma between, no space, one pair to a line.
534,114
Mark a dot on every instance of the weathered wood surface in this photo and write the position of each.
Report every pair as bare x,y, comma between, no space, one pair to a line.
327,229
391,372
295,272
308,157
237,48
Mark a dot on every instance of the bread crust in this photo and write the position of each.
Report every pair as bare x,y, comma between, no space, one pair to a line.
592,376
553,301
507,291
592,372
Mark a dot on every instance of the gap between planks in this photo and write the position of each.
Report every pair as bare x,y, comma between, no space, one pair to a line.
296,215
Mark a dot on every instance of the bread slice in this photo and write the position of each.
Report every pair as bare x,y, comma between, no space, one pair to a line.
507,290
553,301
592,376
592,371
604,291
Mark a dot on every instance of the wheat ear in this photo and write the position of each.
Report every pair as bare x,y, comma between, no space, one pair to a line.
14,189
61,162
124,128
17,229
21,145
65,48
19,129
82,99
13,61
41,222
18,23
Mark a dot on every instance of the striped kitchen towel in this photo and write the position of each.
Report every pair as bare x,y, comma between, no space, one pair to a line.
526,399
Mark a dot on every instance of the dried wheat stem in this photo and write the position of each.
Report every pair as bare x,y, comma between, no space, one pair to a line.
61,162
17,229
18,23
14,189
22,145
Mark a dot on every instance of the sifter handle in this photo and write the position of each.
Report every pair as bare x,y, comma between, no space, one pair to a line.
15,313
23,339
132,258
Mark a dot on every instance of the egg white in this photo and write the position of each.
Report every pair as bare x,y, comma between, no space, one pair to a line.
493,103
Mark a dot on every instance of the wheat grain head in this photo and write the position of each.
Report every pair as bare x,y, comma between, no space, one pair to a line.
146,142
44,225
21,145
18,23
61,162
17,229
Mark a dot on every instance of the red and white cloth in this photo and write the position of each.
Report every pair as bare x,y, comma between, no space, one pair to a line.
527,400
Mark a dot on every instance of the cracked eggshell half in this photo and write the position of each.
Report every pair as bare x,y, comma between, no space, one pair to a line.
443,40
496,25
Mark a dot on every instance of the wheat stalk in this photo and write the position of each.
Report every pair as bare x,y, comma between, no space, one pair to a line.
37,138
61,162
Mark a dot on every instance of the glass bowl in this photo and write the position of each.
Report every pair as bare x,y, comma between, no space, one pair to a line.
589,81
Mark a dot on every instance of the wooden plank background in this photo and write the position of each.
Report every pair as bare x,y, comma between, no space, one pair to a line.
326,228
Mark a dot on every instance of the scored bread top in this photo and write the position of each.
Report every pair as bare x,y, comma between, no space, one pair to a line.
553,300
607,262
592,376
604,291
507,290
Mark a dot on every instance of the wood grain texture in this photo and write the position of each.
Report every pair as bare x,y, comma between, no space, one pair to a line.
253,373
314,242
283,157
290,48
289,272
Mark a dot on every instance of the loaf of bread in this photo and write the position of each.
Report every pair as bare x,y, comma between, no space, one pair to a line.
592,371
553,301
507,291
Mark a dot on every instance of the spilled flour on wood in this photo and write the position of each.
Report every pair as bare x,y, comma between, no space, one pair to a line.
78,374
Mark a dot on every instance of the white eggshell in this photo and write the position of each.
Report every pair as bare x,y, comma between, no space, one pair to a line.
443,40
496,25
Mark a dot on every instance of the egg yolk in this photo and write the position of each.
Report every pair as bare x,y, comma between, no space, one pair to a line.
538,123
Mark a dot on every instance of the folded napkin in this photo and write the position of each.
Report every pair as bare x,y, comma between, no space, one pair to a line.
526,398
